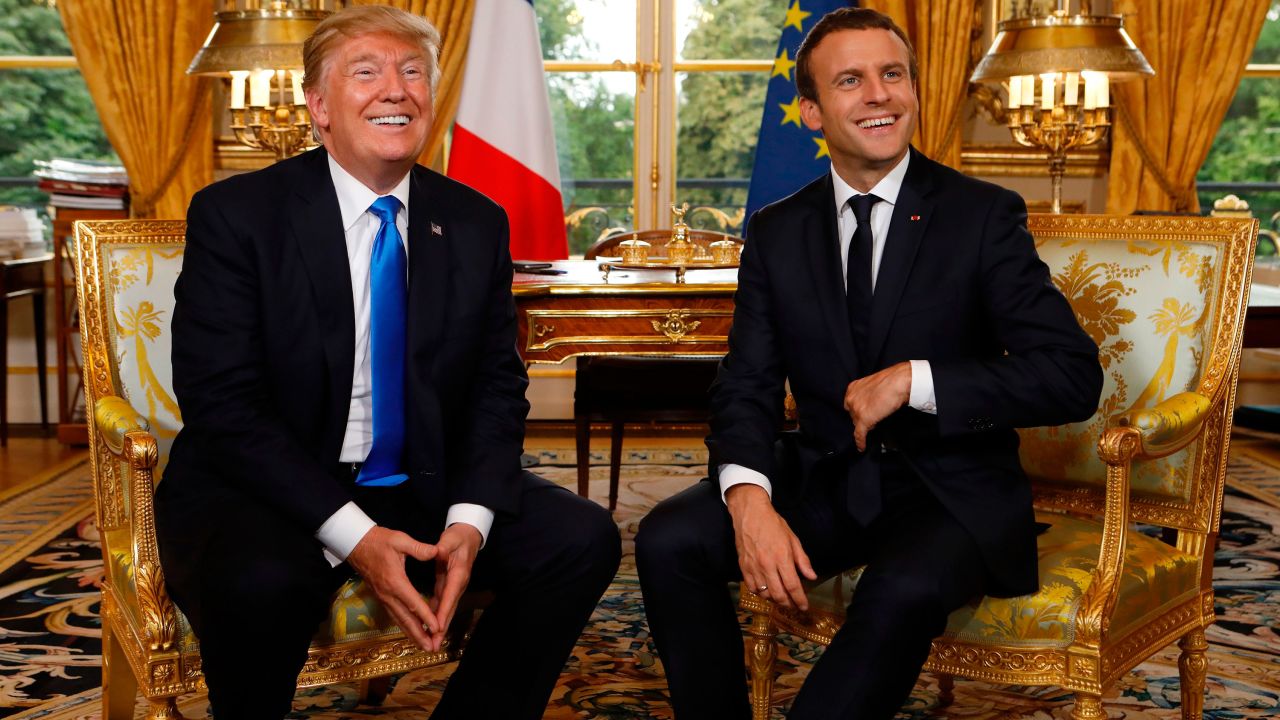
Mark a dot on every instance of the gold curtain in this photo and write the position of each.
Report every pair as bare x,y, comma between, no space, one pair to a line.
134,55
939,31
1164,127
453,19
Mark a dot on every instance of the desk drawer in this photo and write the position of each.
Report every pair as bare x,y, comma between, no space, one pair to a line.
551,332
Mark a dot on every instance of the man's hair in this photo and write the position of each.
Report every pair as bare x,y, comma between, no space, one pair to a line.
360,20
848,18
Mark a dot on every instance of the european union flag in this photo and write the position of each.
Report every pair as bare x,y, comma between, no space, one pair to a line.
788,154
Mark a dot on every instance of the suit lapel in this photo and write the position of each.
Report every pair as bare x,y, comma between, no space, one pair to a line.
911,216
822,238
317,229
429,239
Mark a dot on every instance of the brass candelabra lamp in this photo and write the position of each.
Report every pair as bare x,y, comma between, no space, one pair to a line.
1058,71
259,46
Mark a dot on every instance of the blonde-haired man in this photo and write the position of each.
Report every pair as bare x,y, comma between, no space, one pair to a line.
344,358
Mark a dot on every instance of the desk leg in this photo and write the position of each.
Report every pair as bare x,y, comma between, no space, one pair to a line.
42,376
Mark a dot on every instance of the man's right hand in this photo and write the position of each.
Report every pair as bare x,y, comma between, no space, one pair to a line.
379,558
768,552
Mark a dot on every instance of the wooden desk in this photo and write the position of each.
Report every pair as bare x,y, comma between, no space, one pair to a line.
637,312
19,278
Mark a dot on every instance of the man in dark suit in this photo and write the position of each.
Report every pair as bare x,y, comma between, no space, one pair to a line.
348,409
908,384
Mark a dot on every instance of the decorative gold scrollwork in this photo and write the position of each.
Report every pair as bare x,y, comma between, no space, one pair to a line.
541,330
676,325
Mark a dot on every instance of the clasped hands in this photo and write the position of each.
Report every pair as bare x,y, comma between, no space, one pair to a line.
379,558
769,553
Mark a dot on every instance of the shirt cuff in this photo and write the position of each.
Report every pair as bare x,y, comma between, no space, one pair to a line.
731,475
342,532
477,516
922,397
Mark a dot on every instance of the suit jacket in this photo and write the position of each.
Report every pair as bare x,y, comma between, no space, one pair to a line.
263,348
959,285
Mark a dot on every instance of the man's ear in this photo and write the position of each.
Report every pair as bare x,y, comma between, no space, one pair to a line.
316,106
811,113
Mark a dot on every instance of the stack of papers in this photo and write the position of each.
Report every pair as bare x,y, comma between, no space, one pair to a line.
21,233
85,184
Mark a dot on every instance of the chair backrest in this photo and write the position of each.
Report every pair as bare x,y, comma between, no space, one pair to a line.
126,274
1165,299
701,239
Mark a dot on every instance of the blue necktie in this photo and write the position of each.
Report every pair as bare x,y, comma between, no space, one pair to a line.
387,291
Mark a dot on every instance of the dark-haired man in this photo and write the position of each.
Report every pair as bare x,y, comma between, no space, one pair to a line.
344,357
907,307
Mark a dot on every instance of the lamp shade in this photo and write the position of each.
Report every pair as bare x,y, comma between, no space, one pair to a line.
1062,43
255,40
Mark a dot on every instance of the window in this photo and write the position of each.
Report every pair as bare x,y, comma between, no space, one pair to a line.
656,101
1245,158
46,110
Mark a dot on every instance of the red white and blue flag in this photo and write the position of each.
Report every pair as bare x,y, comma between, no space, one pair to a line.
503,143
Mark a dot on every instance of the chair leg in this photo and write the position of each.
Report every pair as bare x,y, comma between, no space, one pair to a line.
946,691
119,687
582,433
374,690
163,709
1088,707
1192,668
762,654
615,462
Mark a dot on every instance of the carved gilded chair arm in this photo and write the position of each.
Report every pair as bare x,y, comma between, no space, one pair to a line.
1167,427
1118,447
114,417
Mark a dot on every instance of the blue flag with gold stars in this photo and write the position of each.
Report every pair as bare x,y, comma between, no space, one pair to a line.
788,154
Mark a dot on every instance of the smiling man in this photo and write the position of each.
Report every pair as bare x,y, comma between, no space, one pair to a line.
906,306
344,360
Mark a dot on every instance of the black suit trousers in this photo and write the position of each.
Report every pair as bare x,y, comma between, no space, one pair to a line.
920,566
256,587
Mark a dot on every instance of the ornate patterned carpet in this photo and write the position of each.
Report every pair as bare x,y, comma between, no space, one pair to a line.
49,633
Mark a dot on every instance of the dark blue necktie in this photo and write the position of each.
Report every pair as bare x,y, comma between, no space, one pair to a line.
863,496
387,294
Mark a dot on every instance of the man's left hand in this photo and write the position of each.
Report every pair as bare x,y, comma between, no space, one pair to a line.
455,554
870,399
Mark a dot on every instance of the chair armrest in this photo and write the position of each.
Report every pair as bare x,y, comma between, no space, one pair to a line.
114,417
1140,434
127,434
1167,427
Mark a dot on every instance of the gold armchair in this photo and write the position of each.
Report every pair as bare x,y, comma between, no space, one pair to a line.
125,277
1165,299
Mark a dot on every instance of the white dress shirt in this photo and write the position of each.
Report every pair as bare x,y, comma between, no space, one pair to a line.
922,396
345,528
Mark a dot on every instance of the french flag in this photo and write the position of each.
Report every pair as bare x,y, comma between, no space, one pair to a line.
503,144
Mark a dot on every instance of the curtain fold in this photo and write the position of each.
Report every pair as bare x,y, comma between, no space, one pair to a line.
453,19
134,55
940,32
1163,128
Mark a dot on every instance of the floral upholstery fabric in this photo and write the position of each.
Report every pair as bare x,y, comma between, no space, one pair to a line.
1156,578
1150,307
139,283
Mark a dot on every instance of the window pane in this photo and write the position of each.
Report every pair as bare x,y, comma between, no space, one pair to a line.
1267,51
31,27
592,30
594,120
719,118
45,114
1247,150
728,29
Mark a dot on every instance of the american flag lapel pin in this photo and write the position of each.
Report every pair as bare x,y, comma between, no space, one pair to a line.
437,230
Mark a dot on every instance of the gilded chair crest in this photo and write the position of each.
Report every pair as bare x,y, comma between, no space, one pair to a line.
126,275
1165,299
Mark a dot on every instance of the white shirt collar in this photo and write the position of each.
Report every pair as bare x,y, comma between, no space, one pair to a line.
887,189
354,198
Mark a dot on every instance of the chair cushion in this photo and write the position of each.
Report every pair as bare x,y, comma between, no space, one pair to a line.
1156,578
